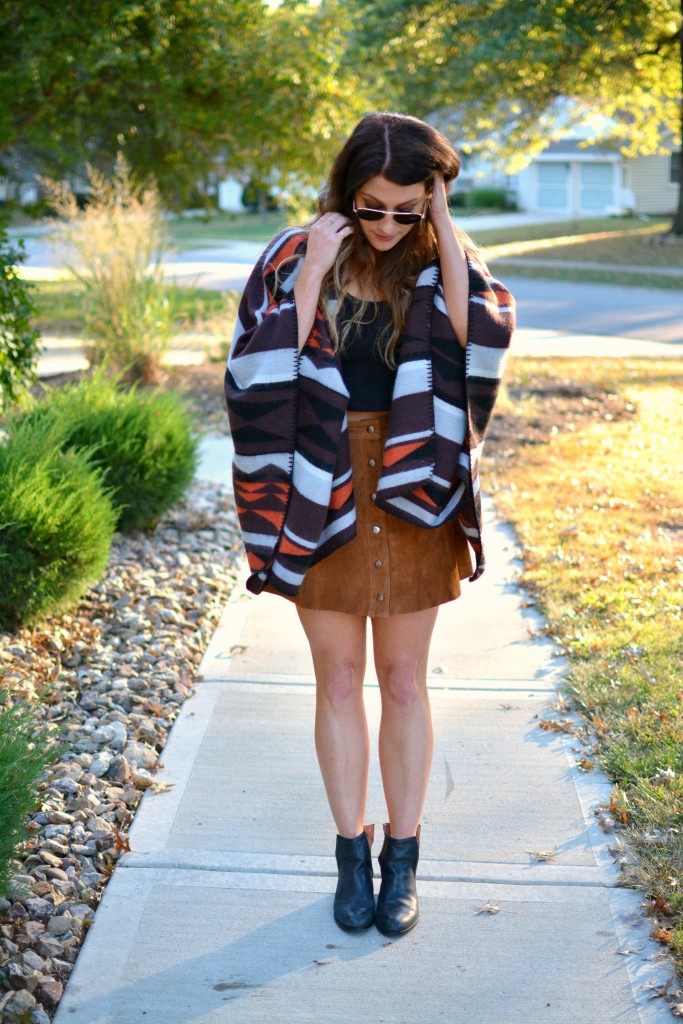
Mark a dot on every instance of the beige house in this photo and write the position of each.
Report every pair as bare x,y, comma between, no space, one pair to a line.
572,178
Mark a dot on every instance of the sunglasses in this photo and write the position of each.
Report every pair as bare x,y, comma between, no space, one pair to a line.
400,216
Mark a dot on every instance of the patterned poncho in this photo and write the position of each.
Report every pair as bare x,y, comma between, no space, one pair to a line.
292,470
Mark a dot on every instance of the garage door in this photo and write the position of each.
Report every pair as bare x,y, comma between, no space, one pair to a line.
553,186
596,187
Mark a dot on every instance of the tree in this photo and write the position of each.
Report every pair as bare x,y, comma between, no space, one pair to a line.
501,65
184,88
19,342
308,102
82,80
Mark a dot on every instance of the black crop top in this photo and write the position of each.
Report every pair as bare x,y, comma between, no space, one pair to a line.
368,379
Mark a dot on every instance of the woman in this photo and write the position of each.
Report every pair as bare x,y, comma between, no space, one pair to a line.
366,360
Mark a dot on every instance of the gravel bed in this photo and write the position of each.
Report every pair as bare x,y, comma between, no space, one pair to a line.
117,668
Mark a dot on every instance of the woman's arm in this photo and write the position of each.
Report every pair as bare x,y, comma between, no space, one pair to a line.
454,269
324,241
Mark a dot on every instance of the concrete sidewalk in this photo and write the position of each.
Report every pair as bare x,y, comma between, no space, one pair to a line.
221,913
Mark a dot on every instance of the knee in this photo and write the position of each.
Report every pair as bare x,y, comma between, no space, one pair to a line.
340,681
399,684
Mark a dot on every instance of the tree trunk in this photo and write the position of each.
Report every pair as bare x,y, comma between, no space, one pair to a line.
677,226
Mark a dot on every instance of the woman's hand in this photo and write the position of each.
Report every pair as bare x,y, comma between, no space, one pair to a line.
325,237
439,213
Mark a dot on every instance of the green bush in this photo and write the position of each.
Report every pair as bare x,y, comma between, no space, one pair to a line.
56,523
142,440
26,749
19,348
490,199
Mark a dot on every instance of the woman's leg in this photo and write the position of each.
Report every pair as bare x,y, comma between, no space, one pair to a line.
337,642
401,648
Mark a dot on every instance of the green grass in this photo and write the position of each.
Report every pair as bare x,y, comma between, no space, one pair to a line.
587,463
559,229
559,272
654,249
222,227
58,306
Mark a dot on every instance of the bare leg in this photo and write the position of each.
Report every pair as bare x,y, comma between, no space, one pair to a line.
406,744
337,642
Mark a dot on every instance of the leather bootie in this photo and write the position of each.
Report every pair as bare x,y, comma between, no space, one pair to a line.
354,901
397,908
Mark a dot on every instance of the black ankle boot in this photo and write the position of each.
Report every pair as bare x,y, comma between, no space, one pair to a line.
397,909
354,901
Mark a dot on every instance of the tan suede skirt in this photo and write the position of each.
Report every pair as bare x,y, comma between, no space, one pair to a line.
391,567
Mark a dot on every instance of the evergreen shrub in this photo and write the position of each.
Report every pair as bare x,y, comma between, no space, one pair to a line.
142,440
56,523
490,199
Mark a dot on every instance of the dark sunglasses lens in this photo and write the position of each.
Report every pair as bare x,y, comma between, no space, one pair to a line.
369,214
407,218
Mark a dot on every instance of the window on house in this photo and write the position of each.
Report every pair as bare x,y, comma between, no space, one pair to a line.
675,168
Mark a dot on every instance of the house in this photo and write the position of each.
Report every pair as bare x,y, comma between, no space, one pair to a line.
591,180
576,176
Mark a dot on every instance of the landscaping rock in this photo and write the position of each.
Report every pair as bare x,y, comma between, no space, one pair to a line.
119,667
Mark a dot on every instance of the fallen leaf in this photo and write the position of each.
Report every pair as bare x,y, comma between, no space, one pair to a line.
161,787
664,775
122,842
489,908
543,855
556,724
584,765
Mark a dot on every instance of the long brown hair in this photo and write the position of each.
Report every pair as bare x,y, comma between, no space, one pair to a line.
406,151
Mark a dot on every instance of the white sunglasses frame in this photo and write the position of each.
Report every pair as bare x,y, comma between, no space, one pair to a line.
392,214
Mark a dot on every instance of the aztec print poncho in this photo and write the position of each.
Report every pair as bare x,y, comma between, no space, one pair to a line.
292,469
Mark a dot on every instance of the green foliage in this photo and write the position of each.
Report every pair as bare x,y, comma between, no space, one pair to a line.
187,89
19,347
120,240
26,749
492,72
489,199
56,523
141,440
161,79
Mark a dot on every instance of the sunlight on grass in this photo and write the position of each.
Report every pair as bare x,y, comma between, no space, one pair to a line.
592,479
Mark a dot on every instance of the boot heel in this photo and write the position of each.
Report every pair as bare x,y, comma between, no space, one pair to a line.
354,900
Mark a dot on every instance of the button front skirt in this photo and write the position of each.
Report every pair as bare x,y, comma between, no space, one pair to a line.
391,567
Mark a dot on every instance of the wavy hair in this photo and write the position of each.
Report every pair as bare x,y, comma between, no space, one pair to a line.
406,151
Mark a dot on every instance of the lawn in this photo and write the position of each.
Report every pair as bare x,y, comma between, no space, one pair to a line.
504,269
196,232
585,459
627,245
58,307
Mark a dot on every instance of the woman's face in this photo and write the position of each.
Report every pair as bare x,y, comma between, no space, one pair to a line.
379,193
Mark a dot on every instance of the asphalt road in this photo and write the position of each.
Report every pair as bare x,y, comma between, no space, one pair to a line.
655,315
594,309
